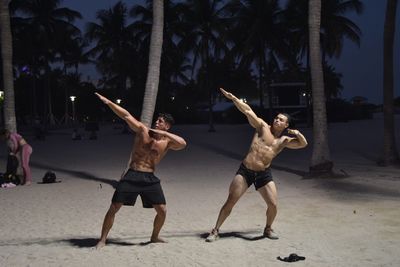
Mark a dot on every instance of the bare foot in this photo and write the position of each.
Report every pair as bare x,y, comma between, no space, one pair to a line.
28,183
157,240
100,244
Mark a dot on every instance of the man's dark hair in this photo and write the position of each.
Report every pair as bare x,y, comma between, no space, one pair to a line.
167,118
289,118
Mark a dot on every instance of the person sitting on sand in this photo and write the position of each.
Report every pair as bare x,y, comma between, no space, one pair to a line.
267,143
18,146
149,148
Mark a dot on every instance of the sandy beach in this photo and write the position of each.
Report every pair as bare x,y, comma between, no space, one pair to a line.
353,221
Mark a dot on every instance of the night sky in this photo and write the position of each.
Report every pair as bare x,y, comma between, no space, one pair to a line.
361,67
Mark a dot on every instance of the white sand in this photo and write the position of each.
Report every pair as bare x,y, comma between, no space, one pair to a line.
336,222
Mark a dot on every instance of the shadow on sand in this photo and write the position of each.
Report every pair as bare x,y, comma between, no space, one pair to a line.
354,190
90,242
84,242
248,236
77,174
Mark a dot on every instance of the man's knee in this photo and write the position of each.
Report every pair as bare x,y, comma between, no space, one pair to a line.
231,201
272,204
161,210
114,208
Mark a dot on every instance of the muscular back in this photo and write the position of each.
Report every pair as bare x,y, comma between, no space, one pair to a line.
263,149
147,151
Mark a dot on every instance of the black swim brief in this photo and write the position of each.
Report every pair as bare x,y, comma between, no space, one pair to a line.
135,183
258,178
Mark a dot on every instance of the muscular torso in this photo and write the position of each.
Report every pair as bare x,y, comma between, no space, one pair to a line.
147,152
263,149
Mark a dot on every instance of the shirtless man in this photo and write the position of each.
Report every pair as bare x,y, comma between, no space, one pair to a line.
267,142
149,148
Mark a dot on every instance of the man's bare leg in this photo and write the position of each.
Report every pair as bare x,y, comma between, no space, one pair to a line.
236,190
269,194
158,223
108,223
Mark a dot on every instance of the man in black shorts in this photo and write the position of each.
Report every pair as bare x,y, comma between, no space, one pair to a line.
149,148
267,142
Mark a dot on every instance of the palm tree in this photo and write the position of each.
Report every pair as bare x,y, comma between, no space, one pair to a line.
320,159
71,54
205,38
113,47
174,65
153,73
390,153
6,56
44,21
260,23
335,26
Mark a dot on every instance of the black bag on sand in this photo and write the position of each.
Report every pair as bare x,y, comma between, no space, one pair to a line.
11,172
49,177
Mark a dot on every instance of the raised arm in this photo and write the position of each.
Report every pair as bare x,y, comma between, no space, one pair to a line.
176,142
253,119
133,123
298,142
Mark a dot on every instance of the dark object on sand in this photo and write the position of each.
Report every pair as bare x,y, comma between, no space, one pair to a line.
11,173
49,177
292,258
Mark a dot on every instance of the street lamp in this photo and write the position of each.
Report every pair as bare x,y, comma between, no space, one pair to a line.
118,101
72,97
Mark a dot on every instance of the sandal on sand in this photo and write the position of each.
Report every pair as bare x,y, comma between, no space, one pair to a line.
292,258
213,236
269,233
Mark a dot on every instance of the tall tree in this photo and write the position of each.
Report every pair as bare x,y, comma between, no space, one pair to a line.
6,56
390,153
45,21
206,38
320,159
113,46
260,24
153,74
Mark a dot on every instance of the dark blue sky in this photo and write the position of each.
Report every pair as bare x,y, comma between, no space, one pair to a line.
361,67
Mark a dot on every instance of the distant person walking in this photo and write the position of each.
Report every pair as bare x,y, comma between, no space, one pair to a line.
267,143
150,146
18,146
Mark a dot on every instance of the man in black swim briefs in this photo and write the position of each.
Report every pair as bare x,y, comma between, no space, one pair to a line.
150,146
267,142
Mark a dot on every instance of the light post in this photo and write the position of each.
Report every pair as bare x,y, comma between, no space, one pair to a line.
72,97
118,101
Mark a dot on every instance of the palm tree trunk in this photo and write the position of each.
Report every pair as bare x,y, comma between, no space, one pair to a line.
49,98
153,75
308,90
6,55
390,153
320,159
66,98
211,127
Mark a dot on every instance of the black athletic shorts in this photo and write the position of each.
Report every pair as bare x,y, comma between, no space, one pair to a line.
135,183
258,178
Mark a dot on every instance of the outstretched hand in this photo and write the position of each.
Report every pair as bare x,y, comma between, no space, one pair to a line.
227,94
102,98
